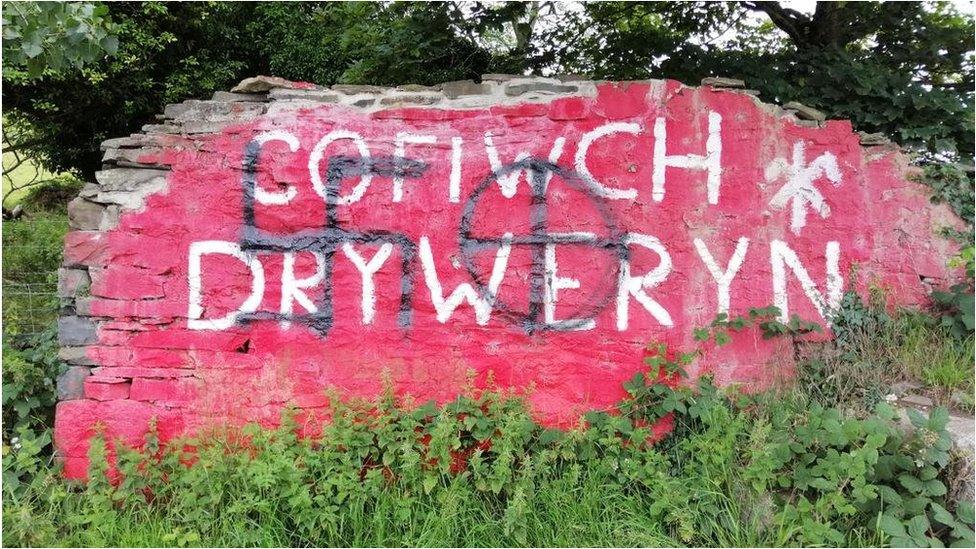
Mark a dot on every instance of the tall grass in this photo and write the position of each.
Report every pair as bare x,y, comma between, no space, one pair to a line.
877,348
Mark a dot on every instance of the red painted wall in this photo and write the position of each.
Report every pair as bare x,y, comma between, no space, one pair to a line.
155,355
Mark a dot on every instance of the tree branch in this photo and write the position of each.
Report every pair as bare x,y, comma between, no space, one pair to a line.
16,147
787,20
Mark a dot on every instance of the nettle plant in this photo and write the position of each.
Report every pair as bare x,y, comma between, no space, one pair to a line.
958,303
833,474
657,392
765,318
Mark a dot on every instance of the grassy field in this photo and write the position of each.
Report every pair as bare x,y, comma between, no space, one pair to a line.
25,172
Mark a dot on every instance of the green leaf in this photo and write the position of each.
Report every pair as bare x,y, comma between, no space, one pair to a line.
935,487
918,420
32,49
963,543
22,408
911,483
550,436
965,511
938,419
110,44
889,495
928,473
429,483
942,515
739,323
916,505
10,391
892,526
918,526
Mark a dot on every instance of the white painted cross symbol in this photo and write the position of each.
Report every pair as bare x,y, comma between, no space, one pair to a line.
799,184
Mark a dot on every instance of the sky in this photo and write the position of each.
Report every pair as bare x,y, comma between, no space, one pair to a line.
809,6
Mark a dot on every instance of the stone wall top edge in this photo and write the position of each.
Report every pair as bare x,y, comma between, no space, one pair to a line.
268,95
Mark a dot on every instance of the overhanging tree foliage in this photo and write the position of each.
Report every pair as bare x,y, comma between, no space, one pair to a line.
904,69
169,52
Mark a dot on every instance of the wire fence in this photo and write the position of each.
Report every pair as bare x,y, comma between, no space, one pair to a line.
29,307
31,256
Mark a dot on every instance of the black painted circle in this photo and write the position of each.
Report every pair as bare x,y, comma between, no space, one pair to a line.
537,170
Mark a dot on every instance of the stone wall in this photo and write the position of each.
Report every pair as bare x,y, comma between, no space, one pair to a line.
250,251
